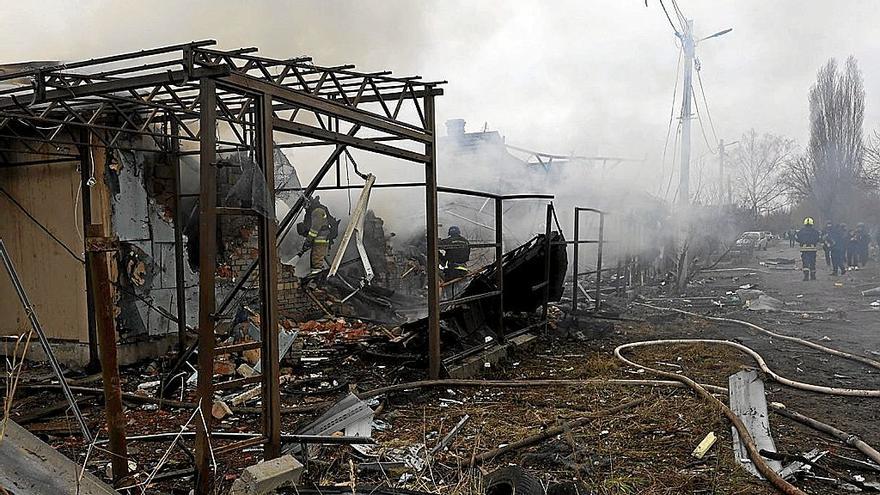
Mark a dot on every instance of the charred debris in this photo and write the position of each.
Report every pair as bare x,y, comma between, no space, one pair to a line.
193,342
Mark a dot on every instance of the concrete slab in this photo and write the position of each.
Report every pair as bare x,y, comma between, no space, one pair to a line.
30,466
267,476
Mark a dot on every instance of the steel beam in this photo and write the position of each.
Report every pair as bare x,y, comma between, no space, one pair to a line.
313,103
364,144
97,260
548,248
268,287
179,223
177,77
433,264
207,268
85,173
499,265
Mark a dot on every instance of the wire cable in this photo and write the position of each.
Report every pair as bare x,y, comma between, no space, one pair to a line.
681,17
702,127
706,105
41,226
671,117
669,18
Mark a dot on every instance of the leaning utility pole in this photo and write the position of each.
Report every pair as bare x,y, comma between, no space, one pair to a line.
684,177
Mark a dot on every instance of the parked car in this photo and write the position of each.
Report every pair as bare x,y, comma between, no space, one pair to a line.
753,240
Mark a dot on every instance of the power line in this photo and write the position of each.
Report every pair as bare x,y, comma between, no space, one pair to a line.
671,117
702,128
681,17
669,18
706,105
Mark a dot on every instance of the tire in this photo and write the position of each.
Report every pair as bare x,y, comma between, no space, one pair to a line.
512,480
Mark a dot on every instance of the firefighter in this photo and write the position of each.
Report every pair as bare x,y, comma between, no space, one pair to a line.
319,228
455,252
808,239
838,240
826,242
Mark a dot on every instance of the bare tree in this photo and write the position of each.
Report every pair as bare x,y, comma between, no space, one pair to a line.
761,162
832,171
871,164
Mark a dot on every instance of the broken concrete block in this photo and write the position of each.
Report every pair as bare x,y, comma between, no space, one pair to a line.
246,371
268,476
220,410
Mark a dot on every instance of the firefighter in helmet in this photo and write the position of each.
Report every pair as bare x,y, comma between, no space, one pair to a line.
455,252
808,239
319,229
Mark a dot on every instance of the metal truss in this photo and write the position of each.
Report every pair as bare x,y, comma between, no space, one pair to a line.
194,99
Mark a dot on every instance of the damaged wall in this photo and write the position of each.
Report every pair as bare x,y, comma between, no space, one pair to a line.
142,188
53,279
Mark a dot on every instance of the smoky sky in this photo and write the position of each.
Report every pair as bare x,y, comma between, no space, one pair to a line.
585,77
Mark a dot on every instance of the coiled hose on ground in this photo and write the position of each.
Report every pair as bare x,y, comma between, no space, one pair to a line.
755,456
849,392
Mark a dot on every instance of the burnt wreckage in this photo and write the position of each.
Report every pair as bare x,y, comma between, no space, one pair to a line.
196,112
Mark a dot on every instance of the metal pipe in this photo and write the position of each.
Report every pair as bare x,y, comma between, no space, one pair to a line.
433,278
499,266
179,223
547,248
207,268
85,174
268,258
38,329
98,259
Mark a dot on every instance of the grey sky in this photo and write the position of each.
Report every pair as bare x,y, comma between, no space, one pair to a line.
561,76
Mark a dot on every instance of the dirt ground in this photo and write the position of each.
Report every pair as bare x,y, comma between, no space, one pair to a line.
644,449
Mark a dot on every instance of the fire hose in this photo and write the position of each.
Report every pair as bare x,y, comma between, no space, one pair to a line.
848,392
829,350
760,464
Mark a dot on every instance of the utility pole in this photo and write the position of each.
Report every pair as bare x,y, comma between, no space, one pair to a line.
684,177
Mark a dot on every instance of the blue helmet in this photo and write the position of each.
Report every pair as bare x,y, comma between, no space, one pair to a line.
454,230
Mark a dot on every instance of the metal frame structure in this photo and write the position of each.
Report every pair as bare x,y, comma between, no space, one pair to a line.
628,265
498,246
193,99
577,241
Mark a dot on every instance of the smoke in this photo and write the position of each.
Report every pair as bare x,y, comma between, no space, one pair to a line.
572,77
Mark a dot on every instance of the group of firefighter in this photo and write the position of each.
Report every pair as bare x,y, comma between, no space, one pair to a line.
319,229
844,249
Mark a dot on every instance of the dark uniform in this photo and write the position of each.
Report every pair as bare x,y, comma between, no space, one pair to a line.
826,242
838,239
808,238
456,252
